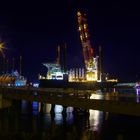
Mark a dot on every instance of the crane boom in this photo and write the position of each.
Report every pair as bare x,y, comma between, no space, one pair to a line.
88,52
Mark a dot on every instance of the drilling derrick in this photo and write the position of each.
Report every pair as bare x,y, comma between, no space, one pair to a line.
89,60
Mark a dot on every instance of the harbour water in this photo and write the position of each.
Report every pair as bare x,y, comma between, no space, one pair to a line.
26,121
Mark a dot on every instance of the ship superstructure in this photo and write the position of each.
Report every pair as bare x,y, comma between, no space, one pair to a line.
54,71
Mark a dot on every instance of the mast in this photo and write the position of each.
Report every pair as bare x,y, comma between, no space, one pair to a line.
20,65
58,55
65,57
100,62
13,64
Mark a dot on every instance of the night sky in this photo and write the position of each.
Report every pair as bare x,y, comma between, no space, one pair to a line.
35,29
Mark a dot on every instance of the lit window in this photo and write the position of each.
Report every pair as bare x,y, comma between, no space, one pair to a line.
79,28
85,26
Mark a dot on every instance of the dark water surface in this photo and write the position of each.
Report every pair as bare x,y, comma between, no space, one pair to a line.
26,121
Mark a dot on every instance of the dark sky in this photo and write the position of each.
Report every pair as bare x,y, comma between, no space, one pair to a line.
35,29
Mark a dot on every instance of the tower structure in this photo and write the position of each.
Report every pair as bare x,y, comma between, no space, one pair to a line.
91,63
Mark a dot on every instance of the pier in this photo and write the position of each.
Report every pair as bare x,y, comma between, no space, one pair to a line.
74,98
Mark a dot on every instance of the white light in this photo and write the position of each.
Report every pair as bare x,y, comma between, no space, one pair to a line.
35,84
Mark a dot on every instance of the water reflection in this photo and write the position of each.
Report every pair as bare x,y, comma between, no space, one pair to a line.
95,120
33,120
24,106
95,115
137,91
91,123
138,95
58,115
47,108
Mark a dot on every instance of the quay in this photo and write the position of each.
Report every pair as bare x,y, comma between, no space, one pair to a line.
72,98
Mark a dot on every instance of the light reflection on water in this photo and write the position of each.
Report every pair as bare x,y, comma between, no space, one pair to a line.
95,120
138,95
58,118
26,117
95,115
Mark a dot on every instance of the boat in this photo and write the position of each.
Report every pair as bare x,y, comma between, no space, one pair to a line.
12,79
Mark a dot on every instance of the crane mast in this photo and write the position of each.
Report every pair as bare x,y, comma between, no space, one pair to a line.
91,63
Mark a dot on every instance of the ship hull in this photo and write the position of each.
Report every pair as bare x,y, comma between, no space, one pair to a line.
45,83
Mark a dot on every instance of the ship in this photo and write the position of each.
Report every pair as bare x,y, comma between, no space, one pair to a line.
13,79
58,75
88,77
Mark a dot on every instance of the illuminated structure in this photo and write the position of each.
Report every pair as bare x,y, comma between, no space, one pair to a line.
91,63
76,75
12,79
92,70
54,71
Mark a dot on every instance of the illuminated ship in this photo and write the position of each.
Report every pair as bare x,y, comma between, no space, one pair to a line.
13,79
89,73
54,72
82,78
19,79
54,69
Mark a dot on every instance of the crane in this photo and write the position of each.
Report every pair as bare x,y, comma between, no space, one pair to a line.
91,63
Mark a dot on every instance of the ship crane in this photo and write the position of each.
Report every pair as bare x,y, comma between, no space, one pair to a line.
91,63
